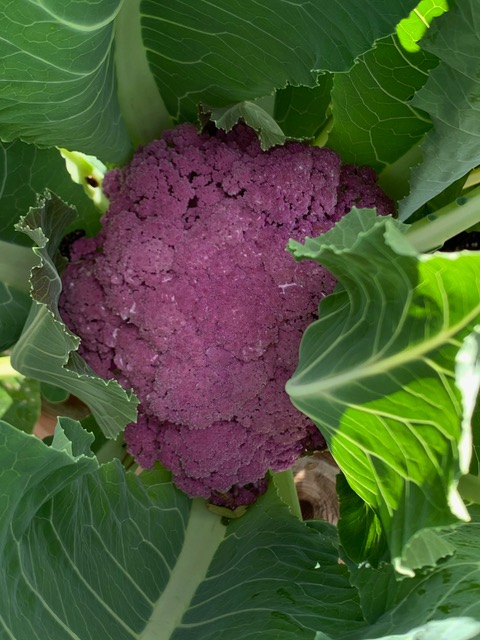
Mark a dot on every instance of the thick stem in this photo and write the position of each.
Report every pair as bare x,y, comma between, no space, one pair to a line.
432,231
203,536
141,105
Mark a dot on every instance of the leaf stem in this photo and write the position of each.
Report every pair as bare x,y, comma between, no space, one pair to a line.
433,230
142,107
202,537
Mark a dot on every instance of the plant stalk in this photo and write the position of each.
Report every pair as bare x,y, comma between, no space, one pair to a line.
431,232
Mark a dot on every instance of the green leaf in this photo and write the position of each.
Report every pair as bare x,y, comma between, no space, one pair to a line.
14,309
440,600
377,371
26,171
302,111
450,96
25,402
53,394
252,114
373,120
410,30
359,528
205,52
58,80
46,349
91,551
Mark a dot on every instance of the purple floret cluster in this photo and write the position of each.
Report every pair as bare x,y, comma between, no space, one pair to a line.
188,296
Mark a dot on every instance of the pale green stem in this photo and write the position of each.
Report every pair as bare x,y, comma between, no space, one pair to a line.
203,535
432,231
16,262
287,491
142,107
469,488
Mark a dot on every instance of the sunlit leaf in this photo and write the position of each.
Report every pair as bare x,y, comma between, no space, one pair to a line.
377,372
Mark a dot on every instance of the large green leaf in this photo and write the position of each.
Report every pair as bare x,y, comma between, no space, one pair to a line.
58,76
26,171
46,349
373,121
451,97
448,594
95,552
219,53
377,372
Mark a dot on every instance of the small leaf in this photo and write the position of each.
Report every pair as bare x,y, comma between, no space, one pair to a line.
46,349
252,114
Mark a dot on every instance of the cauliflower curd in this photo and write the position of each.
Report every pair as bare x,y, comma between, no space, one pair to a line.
188,296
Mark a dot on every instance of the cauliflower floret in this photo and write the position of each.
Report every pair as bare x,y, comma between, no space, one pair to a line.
188,296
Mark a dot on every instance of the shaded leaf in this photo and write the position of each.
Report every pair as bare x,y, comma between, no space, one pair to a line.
203,52
174,570
14,309
448,593
373,120
25,402
302,111
27,171
58,76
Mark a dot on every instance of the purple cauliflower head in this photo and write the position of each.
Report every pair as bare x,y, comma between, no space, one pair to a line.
188,296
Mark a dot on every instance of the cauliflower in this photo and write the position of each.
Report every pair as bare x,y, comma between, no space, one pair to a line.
188,296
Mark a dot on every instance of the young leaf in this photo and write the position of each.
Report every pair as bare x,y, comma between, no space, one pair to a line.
58,83
46,349
377,371
450,96
91,552
200,51
252,114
